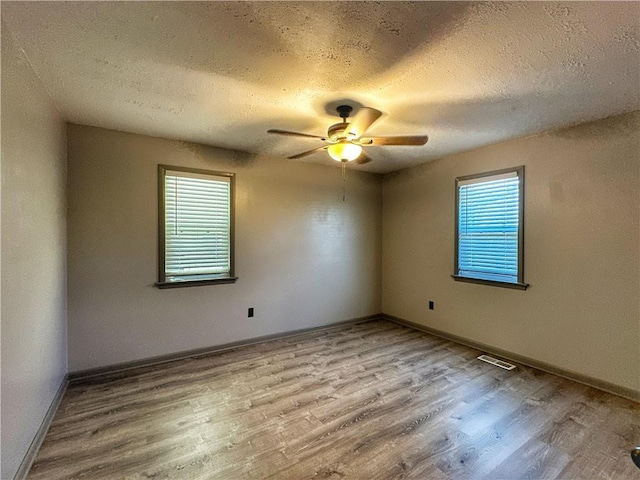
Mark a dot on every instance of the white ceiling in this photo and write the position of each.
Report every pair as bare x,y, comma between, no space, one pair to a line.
222,73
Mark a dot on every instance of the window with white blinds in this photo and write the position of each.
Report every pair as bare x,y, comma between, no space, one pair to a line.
196,225
489,227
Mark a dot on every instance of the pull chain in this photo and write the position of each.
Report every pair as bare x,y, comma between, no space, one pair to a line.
344,179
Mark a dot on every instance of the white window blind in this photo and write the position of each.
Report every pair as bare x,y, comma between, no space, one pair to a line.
197,216
488,226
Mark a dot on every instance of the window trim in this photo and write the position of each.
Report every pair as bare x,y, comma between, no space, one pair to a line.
519,284
162,279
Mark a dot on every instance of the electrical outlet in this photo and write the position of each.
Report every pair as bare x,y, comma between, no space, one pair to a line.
250,312
431,305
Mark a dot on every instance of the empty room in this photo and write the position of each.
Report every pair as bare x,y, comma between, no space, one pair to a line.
294,240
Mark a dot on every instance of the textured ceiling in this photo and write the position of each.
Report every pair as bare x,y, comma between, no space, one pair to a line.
222,73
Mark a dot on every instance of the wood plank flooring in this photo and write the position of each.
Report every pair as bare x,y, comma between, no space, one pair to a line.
369,401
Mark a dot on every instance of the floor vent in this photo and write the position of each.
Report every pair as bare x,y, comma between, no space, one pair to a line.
496,362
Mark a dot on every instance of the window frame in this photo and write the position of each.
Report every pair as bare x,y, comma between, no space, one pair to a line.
162,277
519,284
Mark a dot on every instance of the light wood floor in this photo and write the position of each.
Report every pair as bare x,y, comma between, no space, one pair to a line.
369,401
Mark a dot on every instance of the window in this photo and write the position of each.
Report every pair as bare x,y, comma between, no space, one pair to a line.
489,228
195,227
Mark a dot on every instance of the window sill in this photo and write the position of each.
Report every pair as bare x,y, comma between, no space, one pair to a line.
195,283
495,283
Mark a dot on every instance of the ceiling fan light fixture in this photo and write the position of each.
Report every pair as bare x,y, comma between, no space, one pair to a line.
344,151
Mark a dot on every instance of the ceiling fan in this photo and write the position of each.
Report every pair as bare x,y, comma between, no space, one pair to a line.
346,139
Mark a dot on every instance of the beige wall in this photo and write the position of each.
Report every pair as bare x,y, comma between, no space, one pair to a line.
582,310
33,254
304,257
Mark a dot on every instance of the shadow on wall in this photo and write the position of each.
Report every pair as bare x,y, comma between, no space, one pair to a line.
215,154
622,126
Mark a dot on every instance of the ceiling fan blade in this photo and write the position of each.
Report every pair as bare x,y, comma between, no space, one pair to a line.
293,134
308,152
401,140
363,158
363,120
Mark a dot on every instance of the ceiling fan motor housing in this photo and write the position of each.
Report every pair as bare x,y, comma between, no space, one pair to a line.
340,131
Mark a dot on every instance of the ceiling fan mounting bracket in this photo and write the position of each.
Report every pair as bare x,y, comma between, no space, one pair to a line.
344,111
